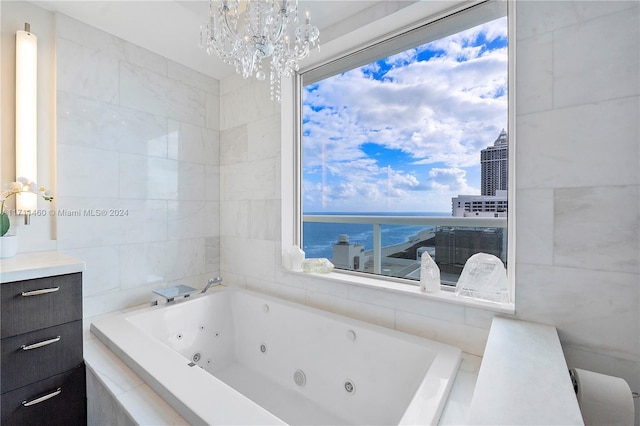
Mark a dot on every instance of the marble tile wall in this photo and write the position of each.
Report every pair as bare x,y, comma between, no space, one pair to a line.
577,173
137,138
577,193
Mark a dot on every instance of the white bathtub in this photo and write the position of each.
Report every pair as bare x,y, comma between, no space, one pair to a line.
237,357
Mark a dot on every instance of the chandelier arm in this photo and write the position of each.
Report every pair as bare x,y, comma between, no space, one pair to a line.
283,17
225,10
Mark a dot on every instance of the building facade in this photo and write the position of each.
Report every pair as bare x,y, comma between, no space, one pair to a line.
494,163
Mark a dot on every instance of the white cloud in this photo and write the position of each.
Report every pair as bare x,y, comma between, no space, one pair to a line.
440,112
451,181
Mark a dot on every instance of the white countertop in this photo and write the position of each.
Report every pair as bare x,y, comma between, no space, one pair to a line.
26,266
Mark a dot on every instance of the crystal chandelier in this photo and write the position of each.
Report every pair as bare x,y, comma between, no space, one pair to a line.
243,33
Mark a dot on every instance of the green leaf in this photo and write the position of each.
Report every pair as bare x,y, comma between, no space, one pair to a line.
4,224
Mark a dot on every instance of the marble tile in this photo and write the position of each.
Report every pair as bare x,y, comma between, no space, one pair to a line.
156,94
145,264
263,137
373,314
235,218
231,84
276,289
212,113
101,273
469,339
406,303
539,17
143,177
254,180
193,143
83,171
256,258
247,103
148,408
161,262
91,123
234,145
312,284
191,181
193,78
595,310
479,318
212,254
212,183
142,220
102,408
108,366
534,85
534,227
265,219
612,73
548,143
86,72
193,219
108,302
143,58
585,235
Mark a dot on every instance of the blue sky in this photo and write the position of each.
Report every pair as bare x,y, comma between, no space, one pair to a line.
404,134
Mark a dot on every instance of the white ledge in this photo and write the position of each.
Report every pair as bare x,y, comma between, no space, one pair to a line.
446,295
523,378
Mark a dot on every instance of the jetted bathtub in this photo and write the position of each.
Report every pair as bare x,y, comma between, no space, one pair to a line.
232,356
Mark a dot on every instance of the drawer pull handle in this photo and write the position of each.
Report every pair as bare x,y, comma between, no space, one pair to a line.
41,291
42,398
40,344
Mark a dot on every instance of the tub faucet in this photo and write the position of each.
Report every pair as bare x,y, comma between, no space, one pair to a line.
212,281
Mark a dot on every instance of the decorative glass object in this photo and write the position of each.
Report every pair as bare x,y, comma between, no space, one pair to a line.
484,277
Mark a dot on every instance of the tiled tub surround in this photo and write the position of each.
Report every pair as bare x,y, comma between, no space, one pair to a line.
255,343
137,137
577,187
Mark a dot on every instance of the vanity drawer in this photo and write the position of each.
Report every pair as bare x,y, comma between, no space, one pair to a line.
65,408
43,302
46,352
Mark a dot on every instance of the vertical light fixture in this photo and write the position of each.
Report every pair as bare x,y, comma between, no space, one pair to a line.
26,116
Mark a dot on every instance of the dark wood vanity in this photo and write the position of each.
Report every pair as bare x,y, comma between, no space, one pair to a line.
42,372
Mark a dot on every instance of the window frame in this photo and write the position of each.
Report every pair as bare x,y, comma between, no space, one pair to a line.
364,37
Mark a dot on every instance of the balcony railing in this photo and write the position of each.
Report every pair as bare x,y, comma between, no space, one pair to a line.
439,223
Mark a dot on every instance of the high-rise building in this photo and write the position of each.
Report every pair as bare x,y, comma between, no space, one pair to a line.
494,163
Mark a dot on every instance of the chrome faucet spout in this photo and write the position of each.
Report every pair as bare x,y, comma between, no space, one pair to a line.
212,281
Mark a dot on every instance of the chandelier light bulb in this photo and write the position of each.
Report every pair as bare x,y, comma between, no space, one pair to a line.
244,34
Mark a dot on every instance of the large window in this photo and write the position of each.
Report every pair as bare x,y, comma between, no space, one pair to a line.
404,149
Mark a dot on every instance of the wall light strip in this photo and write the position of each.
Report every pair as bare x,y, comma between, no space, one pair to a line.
26,115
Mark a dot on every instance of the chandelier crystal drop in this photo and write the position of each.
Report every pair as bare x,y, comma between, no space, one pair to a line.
244,33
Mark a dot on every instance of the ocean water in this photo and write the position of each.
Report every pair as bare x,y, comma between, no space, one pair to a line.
319,238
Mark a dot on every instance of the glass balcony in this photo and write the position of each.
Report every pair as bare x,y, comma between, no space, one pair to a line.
392,245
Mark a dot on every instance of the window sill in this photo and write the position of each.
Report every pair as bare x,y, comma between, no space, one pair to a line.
446,295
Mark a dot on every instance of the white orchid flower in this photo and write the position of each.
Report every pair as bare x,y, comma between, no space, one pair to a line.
15,186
